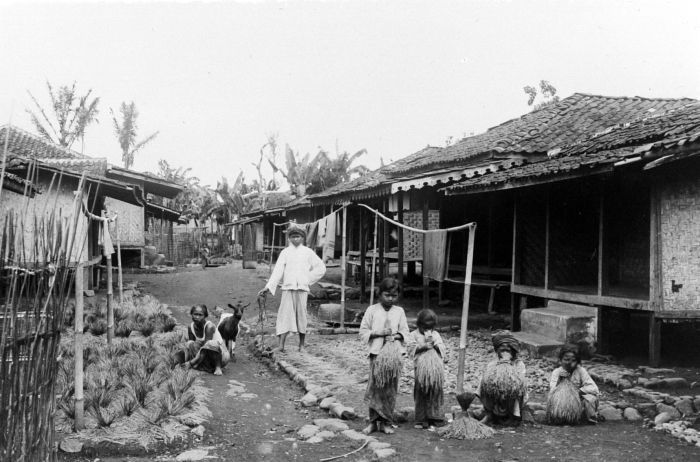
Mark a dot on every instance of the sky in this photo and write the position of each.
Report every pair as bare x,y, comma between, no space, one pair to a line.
215,79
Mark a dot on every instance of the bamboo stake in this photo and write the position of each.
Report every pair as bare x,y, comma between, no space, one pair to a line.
78,339
374,261
343,269
465,310
272,247
110,293
120,280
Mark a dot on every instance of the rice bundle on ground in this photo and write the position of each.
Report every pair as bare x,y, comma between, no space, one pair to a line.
388,364
564,405
502,383
429,372
466,428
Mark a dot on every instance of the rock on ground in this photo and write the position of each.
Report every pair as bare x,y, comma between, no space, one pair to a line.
611,413
384,453
631,414
192,455
71,445
334,425
308,400
685,406
662,418
326,402
307,431
378,445
356,436
325,434
670,410
314,439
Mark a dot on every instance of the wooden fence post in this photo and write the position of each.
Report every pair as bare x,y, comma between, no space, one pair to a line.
119,262
78,393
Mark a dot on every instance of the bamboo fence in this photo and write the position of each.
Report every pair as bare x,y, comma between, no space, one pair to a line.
37,262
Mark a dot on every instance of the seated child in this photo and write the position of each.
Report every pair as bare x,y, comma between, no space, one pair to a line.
569,367
205,349
503,387
429,353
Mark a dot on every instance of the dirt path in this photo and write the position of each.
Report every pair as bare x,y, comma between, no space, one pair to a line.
260,427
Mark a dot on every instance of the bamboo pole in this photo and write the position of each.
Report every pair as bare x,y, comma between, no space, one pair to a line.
120,280
78,393
272,247
343,267
374,260
110,294
465,310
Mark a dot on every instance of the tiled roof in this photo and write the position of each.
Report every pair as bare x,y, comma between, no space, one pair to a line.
538,131
24,144
629,141
361,187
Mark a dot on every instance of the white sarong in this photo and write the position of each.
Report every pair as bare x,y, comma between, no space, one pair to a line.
291,316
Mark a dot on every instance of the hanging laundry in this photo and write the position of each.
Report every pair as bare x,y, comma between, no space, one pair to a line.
312,235
107,247
329,240
435,255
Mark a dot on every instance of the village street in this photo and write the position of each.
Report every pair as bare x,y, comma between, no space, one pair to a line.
256,413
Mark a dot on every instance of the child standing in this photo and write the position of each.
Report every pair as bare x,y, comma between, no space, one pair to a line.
429,353
298,268
382,324
570,368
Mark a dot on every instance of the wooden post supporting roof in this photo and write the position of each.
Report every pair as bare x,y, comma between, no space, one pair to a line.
655,278
363,251
399,230
426,281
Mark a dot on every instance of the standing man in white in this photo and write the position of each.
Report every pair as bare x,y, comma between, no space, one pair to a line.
297,268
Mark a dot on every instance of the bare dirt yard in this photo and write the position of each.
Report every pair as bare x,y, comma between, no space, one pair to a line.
256,410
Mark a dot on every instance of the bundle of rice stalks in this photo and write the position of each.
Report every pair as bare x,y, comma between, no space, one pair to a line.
180,382
502,383
98,327
123,328
429,371
466,427
128,405
147,328
388,364
564,404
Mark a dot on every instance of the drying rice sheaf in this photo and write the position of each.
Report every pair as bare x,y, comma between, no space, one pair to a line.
429,370
501,382
466,427
389,363
564,404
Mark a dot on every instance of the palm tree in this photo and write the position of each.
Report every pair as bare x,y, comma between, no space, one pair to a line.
333,171
299,172
126,133
193,198
68,118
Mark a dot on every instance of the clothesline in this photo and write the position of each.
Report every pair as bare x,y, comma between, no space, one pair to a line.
417,230
315,221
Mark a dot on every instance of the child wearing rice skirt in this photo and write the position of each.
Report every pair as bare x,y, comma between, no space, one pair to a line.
570,368
498,409
383,324
429,371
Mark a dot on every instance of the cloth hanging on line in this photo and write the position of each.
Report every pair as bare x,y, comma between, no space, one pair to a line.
329,240
312,234
107,246
435,263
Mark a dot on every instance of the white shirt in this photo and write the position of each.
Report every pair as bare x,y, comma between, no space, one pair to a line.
298,268
376,318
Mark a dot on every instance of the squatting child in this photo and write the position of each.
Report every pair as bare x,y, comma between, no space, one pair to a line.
570,367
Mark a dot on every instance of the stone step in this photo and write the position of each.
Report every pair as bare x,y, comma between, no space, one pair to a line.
564,322
536,345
